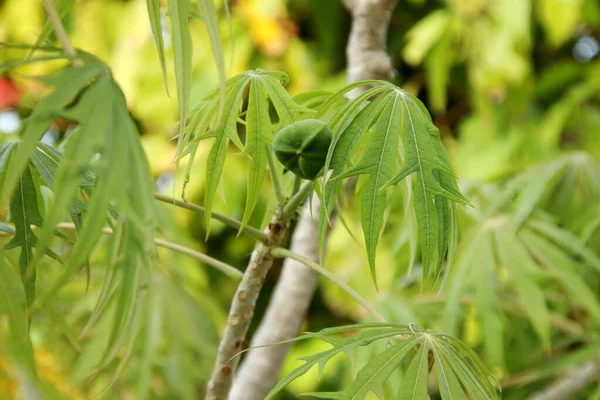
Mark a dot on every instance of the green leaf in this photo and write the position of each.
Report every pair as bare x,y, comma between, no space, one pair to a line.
15,298
179,11
93,106
344,143
519,263
287,109
154,321
449,385
434,184
156,25
68,83
377,161
227,130
373,375
24,213
106,142
453,360
6,151
414,386
532,194
487,303
265,87
363,338
258,138
425,34
210,18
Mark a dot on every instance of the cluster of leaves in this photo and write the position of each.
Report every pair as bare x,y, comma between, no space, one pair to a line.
515,239
460,373
262,89
383,129
402,136
88,183
181,12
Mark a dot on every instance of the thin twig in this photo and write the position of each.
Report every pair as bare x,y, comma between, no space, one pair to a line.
281,252
213,262
59,31
234,223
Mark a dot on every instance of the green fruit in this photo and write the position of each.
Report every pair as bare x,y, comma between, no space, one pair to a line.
302,147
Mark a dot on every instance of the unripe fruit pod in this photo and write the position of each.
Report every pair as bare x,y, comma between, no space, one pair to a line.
302,147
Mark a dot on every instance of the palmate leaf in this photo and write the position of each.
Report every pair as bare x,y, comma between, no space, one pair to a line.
460,373
402,133
262,87
105,143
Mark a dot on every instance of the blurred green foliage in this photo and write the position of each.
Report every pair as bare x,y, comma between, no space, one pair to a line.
513,86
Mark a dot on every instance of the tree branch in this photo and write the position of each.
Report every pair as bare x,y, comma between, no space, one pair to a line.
242,310
367,59
571,384
234,223
208,260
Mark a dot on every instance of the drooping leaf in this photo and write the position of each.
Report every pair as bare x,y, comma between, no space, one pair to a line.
14,297
24,213
210,18
345,141
426,159
258,139
157,32
180,13
105,142
449,385
377,162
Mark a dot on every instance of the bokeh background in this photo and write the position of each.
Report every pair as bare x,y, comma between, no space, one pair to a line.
510,84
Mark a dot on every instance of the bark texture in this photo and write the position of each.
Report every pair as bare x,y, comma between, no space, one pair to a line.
367,59
569,386
242,311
